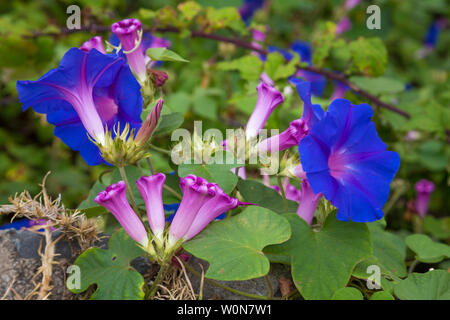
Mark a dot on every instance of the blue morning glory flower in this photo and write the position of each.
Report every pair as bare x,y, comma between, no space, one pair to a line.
88,91
344,158
248,9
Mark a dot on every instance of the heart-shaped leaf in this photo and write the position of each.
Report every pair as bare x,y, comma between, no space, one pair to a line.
256,192
426,249
433,285
347,293
389,253
382,295
322,261
110,270
233,247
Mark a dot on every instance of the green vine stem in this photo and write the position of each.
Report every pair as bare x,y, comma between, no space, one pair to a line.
173,192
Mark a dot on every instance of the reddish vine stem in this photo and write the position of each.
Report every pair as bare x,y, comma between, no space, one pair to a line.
243,43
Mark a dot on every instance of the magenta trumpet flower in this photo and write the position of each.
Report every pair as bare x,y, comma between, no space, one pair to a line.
129,32
93,43
196,192
214,207
268,99
287,139
308,202
149,124
114,199
424,189
151,190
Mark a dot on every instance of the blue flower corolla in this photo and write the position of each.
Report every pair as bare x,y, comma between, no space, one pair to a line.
88,91
248,9
344,158
432,36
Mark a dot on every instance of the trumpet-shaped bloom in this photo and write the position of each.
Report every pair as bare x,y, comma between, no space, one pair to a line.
196,192
114,199
308,202
424,189
268,99
343,25
150,123
88,91
298,129
128,32
93,43
213,208
151,190
344,158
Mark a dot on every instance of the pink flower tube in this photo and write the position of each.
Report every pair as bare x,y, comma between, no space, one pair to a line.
214,207
150,123
93,43
268,99
196,192
424,188
151,190
287,139
114,199
308,202
128,33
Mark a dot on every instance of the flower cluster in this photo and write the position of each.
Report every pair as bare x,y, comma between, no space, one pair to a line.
202,202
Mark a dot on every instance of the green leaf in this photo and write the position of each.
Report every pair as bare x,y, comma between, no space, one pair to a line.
163,54
88,206
322,261
204,105
433,285
389,253
380,85
218,173
369,56
382,295
189,9
277,68
426,249
257,193
110,270
169,122
439,228
250,67
348,293
233,247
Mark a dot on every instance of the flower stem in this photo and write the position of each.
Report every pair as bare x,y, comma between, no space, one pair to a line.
173,192
123,174
235,291
280,185
159,277
159,149
269,287
149,162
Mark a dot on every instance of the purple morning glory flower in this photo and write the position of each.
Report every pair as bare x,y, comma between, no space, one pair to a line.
114,199
350,4
213,208
93,43
129,32
151,190
299,128
343,25
268,99
424,188
87,92
196,192
308,202
344,159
